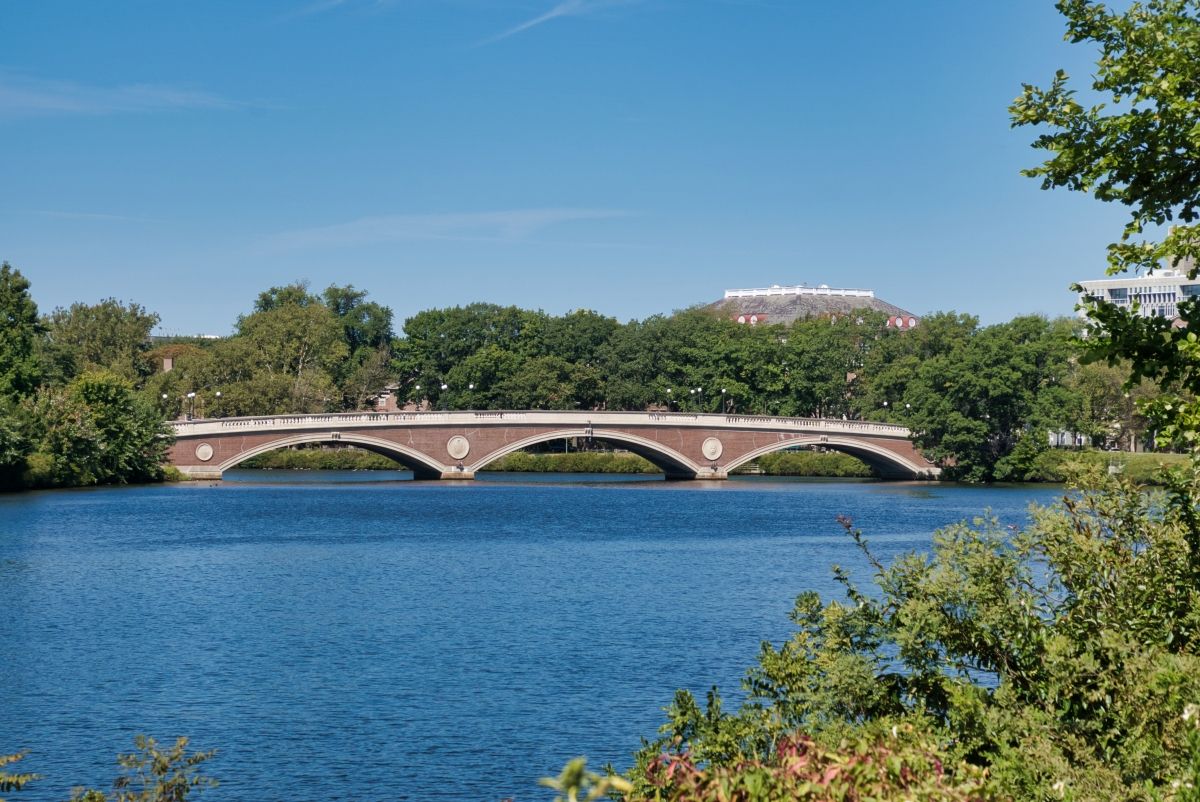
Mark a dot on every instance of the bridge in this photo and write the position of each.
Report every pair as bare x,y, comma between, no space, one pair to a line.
455,445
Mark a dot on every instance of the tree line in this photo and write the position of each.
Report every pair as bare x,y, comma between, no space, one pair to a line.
981,400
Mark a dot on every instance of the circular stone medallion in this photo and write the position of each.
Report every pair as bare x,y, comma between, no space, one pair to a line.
204,452
458,446
712,448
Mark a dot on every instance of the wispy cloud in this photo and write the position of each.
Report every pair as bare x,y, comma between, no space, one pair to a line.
502,226
22,95
566,8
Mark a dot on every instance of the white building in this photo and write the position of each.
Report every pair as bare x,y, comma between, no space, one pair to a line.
1156,295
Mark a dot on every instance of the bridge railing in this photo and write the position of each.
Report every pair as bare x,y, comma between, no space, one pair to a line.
212,426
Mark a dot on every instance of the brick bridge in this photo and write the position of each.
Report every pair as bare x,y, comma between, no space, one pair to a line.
454,445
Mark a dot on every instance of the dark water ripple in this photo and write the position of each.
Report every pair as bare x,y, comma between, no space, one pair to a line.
344,639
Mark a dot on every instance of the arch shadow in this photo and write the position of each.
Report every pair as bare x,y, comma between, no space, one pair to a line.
421,465
884,463
668,460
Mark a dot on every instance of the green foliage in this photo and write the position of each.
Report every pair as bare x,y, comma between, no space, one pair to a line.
899,766
96,430
14,451
575,779
1140,148
1056,465
1103,408
108,336
19,333
811,463
1061,656
1186,786
574,462
322,459
151,774
10,781
973,395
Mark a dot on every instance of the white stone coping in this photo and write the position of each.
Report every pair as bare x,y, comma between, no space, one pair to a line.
366,420
765,292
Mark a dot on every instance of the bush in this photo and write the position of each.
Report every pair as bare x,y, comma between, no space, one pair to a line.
812,463
1061,657
94,431
573,462
323,459
894,767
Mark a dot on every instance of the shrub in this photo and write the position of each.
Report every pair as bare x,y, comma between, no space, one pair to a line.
1061,656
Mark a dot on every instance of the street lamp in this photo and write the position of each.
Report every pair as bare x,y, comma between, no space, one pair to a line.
192,397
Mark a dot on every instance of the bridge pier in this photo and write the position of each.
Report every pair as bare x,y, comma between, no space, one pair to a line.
710,475
199,472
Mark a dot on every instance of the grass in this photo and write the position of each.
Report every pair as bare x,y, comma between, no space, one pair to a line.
1141,467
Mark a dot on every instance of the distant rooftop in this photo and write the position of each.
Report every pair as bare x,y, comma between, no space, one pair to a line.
785,304
798,289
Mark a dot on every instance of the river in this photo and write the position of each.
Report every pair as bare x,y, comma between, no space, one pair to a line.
349,636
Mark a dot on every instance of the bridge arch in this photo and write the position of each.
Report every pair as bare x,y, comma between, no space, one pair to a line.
421,466
670,461
888,464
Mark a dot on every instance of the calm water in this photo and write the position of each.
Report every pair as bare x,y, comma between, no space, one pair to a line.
343,636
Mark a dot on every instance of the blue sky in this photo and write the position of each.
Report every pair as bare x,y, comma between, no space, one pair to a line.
628,156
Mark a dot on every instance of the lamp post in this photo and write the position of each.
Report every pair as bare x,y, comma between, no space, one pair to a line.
192,411
724,402
668,399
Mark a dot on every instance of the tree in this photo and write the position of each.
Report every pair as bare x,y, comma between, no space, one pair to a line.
971,395
298,346
365,323
19,332
14,450
294,294
95,431
109,335
578,336
437,340
1140,148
